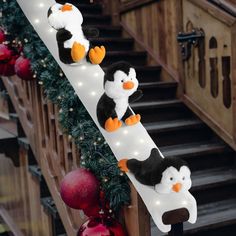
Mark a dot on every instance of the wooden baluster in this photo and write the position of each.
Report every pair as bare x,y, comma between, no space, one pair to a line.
214,67
201,64
226,81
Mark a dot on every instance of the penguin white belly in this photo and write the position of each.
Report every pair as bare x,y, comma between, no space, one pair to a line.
121,107
78,37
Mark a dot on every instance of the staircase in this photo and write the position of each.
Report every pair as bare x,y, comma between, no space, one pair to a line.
176,131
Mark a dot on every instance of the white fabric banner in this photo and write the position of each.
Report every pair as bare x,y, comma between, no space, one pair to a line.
127,142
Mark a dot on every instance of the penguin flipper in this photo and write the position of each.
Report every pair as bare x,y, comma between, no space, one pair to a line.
63,35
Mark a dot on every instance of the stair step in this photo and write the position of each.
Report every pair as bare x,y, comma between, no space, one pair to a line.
112,44
107,31
213,178
213,216
162,110
165,133
90,19
214,184
135,58
159,90
202,155
148,73
89,8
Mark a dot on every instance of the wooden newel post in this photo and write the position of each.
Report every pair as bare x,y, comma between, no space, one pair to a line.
177,230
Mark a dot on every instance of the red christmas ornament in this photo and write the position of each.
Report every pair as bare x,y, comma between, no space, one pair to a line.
7,61
92,210
23,68
5,53
2,36
101,226
80,189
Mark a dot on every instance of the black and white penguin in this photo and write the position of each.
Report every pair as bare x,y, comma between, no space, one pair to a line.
72,41
120,85
167,175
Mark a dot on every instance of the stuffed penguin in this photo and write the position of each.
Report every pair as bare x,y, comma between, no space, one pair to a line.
120,85
167,175
72,43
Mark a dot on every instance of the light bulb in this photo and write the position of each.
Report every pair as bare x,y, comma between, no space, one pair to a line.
36,21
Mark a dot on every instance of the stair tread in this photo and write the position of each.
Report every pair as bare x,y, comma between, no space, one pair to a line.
161,84
125,53
157,104
171,125
213,177
5,135
195,148
214,214
114,39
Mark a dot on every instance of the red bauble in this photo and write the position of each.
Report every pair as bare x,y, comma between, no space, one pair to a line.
23,68
7,61
2,36
92,210
101,226
5,54
80,189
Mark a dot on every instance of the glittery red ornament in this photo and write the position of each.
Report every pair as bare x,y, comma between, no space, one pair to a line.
80,189
7,61
101,226
23,68
2,36
92,210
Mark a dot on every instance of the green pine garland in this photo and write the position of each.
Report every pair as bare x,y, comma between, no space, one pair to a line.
73,117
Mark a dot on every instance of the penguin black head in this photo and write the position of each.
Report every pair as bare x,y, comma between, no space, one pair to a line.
61,16
120,80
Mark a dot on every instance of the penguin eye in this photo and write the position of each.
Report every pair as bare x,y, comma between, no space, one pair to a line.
171,178
183,178
122,81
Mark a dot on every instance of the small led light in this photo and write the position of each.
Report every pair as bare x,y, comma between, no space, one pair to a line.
141,140
80,84
41,4
36,21
96,74
125,131
51,30
158,203
83,67
93,93
117,144
184,203
136,153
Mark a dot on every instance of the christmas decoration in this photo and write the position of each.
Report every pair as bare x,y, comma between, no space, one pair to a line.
96,154
7,61
2,36
101,226
72,41
80,189
23,68
120,84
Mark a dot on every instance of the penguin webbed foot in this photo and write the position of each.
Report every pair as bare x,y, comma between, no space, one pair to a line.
122,164
112,125
97,54
77,52
133,119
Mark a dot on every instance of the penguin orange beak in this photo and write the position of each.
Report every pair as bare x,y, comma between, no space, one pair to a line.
66,7
177,187
128,85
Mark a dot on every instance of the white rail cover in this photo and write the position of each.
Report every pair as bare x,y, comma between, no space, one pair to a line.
127,142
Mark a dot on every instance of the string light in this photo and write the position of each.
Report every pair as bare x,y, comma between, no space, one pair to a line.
71,109
36,21
158,203
117,144
136,153
96,74
41,5
80,84
125,131
40,82
93,93
83,67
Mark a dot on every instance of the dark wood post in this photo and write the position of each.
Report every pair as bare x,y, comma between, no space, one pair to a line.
177,230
